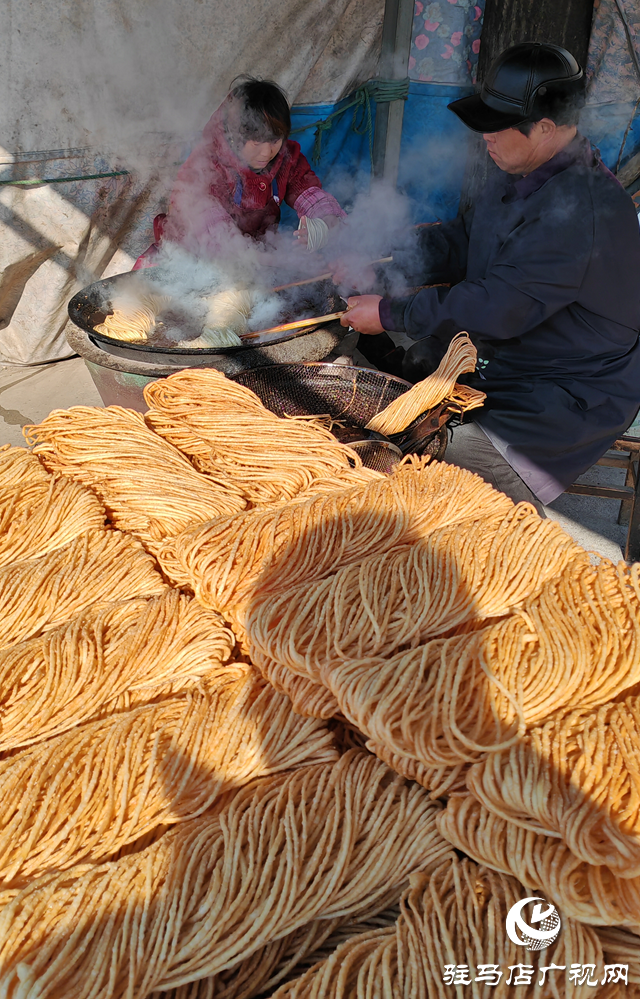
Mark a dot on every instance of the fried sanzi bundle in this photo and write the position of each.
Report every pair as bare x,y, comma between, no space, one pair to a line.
621,947
577,778
39,516
454,915
100,565
228,559
70,675
451,700
212,891
309,699
460,573
228,433
81,796
591,894
461,356
19,467
148,487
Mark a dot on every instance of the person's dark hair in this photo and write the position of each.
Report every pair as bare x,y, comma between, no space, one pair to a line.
259,110
559,101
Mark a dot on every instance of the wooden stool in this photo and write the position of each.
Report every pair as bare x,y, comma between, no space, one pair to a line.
629,494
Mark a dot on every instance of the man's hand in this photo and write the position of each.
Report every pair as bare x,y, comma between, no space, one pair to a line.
362,314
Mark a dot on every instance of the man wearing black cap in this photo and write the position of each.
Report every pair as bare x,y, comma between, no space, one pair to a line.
544,275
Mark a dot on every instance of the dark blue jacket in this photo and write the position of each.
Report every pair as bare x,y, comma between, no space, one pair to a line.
546,278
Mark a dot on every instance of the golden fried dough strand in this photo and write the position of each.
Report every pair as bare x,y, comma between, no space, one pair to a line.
100,565
212,891
38,517
81,796
591,894
147,486
621,947
440,781
18,466
577,777
282,959
452,700
228,433
452,915
230,559
459,573
309,699
461,356
74,673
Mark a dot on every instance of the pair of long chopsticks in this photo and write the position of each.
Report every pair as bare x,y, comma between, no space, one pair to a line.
325,277
300,324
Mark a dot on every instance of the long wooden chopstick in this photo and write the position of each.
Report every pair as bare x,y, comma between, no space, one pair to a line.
300,324
325,277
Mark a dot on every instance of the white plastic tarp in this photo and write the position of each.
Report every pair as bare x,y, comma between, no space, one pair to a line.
92,86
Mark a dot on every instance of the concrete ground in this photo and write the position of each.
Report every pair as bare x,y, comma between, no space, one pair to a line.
28,394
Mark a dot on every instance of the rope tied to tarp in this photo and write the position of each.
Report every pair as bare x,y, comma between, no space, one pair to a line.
378,91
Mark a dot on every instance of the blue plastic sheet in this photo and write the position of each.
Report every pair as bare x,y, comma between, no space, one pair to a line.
432,155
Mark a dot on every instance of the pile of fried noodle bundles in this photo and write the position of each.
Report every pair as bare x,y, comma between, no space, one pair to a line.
217,767
456,909
147,486
212,890
561,807
230,435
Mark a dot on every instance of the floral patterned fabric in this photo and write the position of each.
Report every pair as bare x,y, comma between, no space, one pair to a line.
446,41
611,118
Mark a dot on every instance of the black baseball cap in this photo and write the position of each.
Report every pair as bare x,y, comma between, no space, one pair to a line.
512,84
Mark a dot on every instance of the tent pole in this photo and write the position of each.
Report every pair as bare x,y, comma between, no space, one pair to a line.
394,65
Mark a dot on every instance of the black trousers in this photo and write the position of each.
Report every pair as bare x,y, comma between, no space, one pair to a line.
469,447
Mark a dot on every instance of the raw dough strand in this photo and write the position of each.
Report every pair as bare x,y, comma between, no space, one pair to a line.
68,676
39,516
454,914
147,486
81,796
212,891
461,356
593,895
134,320
229,559
578,778
229,434
98,566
